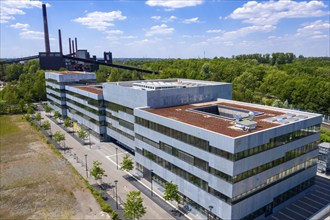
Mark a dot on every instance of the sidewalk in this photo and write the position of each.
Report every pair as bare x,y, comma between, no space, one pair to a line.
107,154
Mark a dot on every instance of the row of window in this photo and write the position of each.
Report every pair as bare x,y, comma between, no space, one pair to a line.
204,185
93,102
293,170
185,199
121,122
288,156
55,96
204,145
189,139
277,141
68,83
116,107
55,89
89,109
120,132
175,169
84,116
202,164
51,102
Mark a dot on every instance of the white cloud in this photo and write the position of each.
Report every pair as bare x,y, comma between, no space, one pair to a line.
156,17
316,29
20,26
174,4
9,8
191,21
115,32
230,35
129,37
34,35
100,20
271,12
162,29
215,31
169,19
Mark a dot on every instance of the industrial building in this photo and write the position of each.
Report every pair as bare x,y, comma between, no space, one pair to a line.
241,160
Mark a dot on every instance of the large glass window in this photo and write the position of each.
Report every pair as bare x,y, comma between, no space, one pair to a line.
116,107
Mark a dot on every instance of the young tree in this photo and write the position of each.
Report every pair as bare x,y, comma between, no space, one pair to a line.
68,123
46,126
48,109
59,137
171,192
97,171
38,118
133,207
57,115
82,133
127,163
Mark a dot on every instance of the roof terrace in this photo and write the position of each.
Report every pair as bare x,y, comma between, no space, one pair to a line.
230,118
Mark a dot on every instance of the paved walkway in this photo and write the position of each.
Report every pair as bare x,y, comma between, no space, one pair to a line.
107,153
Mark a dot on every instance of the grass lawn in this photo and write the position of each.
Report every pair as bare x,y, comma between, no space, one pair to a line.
7,125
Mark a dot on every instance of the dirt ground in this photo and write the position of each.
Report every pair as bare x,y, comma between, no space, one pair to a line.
35,182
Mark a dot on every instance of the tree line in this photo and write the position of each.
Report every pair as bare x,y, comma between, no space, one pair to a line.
279,79
276,79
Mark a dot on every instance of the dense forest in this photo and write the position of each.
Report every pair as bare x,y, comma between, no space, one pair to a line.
278,79
25,84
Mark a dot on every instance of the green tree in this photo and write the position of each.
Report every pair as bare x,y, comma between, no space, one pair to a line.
133,207
57,115
127,163
68,123
59,137
38,118
48,109
171,192
97,171
82,133
46,126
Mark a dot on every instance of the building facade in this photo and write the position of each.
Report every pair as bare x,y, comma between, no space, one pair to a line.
241,159
241,173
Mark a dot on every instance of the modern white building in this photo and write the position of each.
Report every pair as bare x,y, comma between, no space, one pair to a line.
242,159
211,151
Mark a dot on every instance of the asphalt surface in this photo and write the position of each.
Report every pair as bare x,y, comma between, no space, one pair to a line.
106,153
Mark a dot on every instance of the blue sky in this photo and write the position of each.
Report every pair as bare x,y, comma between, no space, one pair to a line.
168,28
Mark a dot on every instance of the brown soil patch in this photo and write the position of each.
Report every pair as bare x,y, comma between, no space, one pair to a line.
36,183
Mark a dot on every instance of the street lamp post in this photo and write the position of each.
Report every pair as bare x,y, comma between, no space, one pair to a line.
210,213
90,143
117,157
116,181
151,189
86,165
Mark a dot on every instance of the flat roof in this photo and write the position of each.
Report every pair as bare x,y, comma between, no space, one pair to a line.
224,125
71,72
91,88
166,84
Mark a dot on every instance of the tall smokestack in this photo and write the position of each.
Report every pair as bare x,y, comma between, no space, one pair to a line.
70,45
60,40
73,51
46,34
75,39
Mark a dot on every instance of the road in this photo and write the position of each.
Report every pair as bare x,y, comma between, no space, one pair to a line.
105,152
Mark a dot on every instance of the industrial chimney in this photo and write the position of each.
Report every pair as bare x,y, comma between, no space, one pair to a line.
70,46
60,40
46,34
